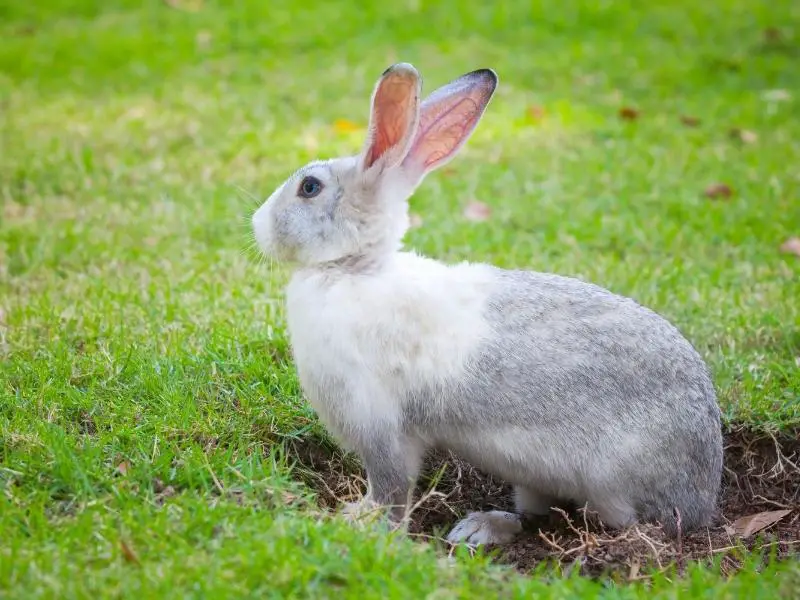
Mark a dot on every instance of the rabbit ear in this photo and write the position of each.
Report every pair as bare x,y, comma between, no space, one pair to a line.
447,118
394,117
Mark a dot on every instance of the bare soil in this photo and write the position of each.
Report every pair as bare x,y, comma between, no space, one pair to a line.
762,473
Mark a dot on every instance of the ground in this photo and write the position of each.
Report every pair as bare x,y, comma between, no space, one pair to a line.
154,440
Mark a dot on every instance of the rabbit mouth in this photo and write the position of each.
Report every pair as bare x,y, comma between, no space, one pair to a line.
263,231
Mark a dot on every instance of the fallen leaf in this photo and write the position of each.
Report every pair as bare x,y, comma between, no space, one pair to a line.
25,30
744,135
791,246
288,497
345,126
414,221
776,95
719,190
690,121
123,467
772,34
628,113
749,137
752,524
449,171
203,39
634,572
535,112
128,554
185,5
477,211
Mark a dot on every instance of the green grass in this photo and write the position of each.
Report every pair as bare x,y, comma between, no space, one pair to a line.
139,330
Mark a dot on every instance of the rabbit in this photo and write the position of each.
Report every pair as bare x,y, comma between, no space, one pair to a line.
565,390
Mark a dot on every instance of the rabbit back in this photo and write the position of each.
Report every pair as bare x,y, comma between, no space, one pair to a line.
579,390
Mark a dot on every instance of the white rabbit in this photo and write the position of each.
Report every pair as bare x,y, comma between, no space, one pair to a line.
560,387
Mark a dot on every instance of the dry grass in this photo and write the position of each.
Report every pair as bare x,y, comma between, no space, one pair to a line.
761,473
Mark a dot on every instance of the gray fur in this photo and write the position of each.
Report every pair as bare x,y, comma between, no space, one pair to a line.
573,371
580,370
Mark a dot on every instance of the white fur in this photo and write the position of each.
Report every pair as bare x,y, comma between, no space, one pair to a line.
412,322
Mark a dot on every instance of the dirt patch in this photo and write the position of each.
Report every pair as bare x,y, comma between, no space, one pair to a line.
762,473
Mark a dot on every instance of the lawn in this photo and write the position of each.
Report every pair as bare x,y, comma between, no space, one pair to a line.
150,414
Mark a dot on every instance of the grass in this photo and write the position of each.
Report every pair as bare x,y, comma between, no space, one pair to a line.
146,387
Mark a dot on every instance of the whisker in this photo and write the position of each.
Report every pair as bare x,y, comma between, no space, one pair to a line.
244,194
249,249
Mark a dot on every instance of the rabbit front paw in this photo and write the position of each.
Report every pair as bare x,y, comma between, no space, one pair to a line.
493,527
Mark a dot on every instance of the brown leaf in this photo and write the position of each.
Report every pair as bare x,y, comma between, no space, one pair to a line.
123,467
345,126
752,524
719,190
791,246
772,34
744,135
690,121
449,171
25,30
414,221
629,114
477,211
128,554
185,5
535,112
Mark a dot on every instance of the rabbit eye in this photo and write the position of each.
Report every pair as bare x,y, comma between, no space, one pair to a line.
309,187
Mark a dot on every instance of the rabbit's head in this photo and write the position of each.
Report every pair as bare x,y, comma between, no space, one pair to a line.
354,207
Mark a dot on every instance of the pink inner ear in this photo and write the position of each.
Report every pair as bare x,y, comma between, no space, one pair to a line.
448,117
443,129
392,115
